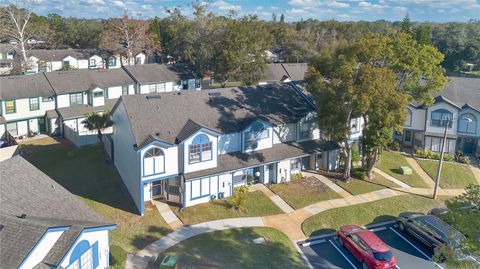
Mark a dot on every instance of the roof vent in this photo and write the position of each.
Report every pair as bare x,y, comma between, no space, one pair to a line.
153,97
214,94
177,93
157,134
22,216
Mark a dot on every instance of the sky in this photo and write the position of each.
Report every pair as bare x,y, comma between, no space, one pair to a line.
293,10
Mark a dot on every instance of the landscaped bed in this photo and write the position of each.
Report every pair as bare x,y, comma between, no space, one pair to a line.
359,186
362,214
454,175
302,192
85,173
234,248
256,204
390,163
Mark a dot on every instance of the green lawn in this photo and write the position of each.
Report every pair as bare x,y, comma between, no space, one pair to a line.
359,186
302,192
84,173
454,175
362,214
473,72
257,204
234,248
390,163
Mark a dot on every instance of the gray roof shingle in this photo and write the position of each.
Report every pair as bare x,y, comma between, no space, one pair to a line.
226,110
276,72
156,73
15,87
46,204
82,80
60,54
462,91
78,111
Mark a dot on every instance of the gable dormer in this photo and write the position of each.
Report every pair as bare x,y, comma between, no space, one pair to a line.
199,148
96,96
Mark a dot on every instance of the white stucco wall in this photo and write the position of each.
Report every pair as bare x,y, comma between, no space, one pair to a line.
126,159
216,184
283,171
142,58
72,61
42,248
101,237
229,143
23,109
63,100
284,133
98,62
171,161
98,101
82,64
440,130
417,121
187,167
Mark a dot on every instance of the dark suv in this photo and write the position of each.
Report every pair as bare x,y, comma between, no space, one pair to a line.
429,230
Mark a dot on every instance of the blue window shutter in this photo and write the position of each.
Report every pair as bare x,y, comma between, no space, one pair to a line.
95,254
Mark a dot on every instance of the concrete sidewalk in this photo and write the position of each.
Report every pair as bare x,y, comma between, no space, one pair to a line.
392,179
286,208
476,173
167,214
423,175
329,183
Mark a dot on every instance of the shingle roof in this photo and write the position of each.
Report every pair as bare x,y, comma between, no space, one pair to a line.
60,54
276,72
463,90
15,87
226,110
239,160
26,190
82,80
156,73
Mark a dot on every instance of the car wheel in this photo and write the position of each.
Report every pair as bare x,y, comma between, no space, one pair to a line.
364,266
401,226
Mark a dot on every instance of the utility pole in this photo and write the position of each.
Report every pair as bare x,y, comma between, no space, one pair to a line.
439,171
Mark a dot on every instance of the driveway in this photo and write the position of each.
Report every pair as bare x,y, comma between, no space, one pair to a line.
324,252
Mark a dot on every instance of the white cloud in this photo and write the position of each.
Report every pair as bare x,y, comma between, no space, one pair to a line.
222,5
400,9
147,7
119,4
93,2
304,3
337,4
297,11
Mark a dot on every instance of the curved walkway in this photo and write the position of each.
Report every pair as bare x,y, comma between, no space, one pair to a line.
290,223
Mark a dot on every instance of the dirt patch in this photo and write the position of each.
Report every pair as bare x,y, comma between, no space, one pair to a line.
306,185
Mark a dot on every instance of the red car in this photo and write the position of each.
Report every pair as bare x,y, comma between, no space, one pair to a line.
366,247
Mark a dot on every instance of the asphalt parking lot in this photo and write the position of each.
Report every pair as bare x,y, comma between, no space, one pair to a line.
324,252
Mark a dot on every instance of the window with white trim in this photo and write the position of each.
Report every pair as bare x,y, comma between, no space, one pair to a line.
76,98
307,125
295,164
199,188
467,124
153,162
124,90
255,132
34,103
440,117
201,149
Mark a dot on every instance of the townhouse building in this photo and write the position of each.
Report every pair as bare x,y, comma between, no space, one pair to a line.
42,60
194,146
45,226
459,105
24,102
7,55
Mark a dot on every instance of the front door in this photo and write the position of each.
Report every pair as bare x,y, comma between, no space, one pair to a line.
157,190
468,146
407,138
272,172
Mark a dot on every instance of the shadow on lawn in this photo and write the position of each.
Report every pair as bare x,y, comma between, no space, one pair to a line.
237,251
141,241
82,171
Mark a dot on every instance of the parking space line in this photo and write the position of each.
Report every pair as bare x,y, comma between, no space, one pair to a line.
333,244
398,267
411,244
307,244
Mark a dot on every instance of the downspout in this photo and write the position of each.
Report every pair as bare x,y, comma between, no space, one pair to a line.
295,87
184,192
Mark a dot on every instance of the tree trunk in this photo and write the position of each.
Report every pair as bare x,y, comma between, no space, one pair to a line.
100,136
348,161
370,162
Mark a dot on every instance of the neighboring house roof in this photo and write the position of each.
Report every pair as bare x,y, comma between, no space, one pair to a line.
226,110
156,73
282,151
46,204
276,72
78,111
83,80
461,92
15,87
60,54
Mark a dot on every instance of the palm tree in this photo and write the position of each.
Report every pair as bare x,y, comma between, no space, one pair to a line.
98,121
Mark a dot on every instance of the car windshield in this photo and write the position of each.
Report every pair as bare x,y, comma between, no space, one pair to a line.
383,256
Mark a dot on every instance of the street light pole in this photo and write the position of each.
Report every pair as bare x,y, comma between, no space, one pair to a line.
439,171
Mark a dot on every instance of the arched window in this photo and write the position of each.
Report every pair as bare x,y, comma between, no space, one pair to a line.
467,123
200,149
153,162
440,116
408,121
256,132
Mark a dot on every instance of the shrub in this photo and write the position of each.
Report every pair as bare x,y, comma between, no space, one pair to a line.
296,176
359,173
241,190
250,179
355,154
427,154
118,257
237,201
394,145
